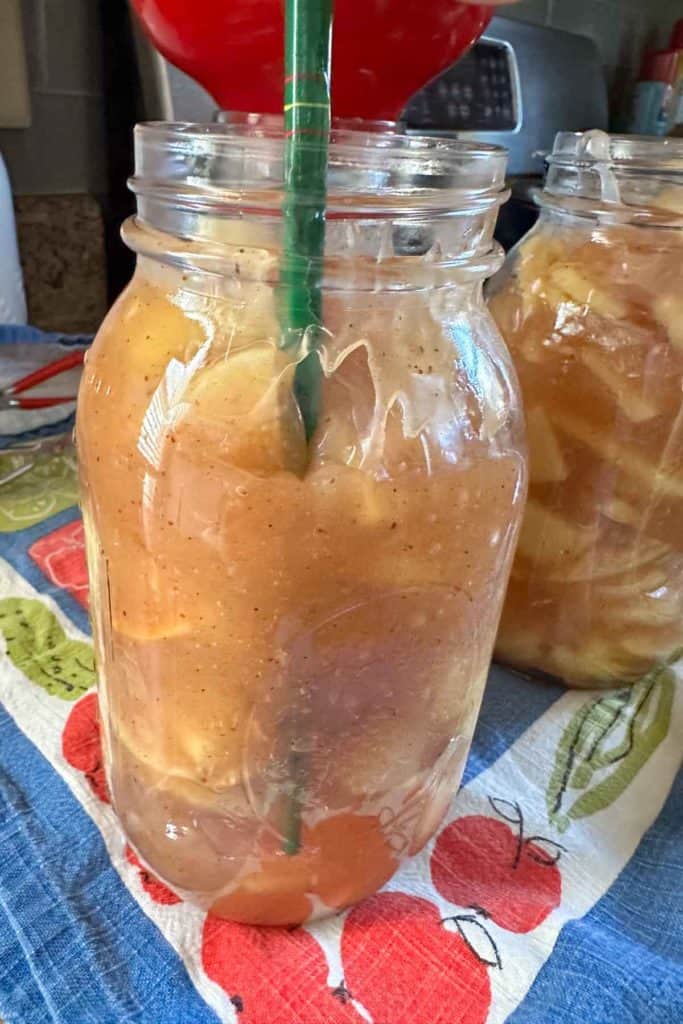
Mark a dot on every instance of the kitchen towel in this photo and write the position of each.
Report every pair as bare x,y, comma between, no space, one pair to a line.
12,299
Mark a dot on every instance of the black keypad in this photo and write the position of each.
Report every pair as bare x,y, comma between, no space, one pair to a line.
476,94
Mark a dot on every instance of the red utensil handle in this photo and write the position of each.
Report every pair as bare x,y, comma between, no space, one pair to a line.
40,403
46,373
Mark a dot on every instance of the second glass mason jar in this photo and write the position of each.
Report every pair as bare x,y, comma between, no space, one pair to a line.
293,636
591,306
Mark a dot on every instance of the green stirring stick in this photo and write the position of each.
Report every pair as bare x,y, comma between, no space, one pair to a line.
308,39
308,43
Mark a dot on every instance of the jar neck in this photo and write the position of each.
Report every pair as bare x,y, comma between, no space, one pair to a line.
210,266
616,179
398,207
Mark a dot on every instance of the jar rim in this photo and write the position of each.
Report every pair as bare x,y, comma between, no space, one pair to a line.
628,152
347,133
374,168
616,178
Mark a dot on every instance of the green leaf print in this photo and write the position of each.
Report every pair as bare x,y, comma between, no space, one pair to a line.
38,646
606,744
48,487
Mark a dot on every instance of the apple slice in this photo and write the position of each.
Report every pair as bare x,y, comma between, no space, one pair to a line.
517,645
244,404
579,289
188,737
144,331
536,254
670,199
647,474
597,662
643,610
620,511
546,462
647,580
604,561
626,391
648,646
548,539
668,310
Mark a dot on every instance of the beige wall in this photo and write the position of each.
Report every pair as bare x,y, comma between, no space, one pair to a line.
621,28
63,150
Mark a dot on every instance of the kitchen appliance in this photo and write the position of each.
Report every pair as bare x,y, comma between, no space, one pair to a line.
517,87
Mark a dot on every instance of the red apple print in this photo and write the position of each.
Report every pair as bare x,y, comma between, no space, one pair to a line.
405,967
82,747
159,892
273,975
61,556
481,862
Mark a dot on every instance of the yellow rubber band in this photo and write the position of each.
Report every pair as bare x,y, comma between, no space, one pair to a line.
303,103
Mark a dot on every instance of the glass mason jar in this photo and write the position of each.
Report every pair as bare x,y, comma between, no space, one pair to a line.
591,306
293,636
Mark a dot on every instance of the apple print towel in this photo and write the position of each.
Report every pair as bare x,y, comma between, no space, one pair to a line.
552,893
